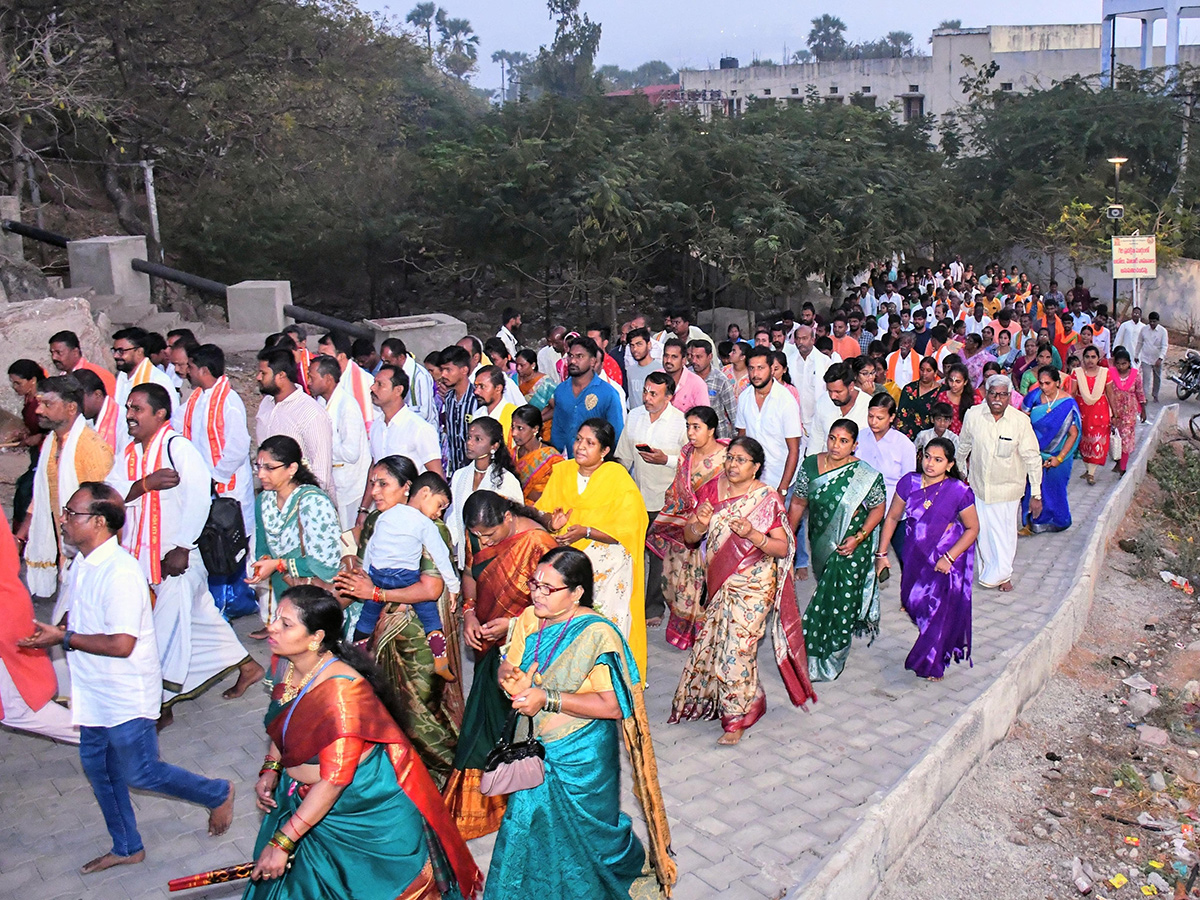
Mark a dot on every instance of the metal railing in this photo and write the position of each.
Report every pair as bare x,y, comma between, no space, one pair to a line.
37,234
166,273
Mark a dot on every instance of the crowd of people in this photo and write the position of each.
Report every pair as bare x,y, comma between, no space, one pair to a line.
539,513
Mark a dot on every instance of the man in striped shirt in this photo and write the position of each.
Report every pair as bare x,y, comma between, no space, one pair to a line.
460,402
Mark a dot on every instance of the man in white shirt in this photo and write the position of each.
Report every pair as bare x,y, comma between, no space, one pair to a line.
116,682
549,356
637,323
511,324
977,321
956,269
355,380
133,368
1129,332
286,409
423,396
770,415
841,400
809,377
649,447
351,454
166,485
1151,352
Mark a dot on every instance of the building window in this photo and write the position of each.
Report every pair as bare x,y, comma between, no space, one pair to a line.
1006,85
766,92
914,89
914,108
795,90
833,89
866,89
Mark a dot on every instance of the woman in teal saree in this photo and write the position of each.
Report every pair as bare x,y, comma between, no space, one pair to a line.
845,502
350,809
572,671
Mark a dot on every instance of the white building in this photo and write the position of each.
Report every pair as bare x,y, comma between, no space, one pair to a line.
1028,56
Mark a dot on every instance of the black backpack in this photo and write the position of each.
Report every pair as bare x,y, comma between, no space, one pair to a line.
223,542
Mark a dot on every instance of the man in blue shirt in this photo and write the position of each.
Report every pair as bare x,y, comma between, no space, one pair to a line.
583,396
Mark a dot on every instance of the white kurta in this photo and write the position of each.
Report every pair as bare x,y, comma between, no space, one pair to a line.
196,646
351,455
235,460
144,372
356,382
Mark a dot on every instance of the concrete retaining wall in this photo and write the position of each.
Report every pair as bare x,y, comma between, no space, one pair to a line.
891,828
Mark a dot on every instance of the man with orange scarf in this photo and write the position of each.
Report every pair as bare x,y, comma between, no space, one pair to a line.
355,381
133,368
165,483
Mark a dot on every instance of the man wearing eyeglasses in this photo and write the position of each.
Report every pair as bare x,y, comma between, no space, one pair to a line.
133,368
166,486
116,682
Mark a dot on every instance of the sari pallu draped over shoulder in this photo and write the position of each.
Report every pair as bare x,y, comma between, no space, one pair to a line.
1052,424
588,850
728,554
343,708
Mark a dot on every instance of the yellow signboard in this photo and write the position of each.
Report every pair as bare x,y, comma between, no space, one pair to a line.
1134,256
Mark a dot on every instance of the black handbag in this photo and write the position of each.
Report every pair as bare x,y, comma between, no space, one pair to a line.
512,765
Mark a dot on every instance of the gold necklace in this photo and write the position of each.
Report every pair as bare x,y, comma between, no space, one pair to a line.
928,503
290,691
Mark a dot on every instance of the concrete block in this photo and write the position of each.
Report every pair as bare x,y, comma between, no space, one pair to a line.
422,334
11,244
104,264
258,305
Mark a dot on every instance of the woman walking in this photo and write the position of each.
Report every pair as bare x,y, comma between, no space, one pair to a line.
1056,422
1095,409
512,541
959,393
490,468
915,409
845,501
534,459
340,774
936,511
595,506
572,671
1128,404
745,524
700,461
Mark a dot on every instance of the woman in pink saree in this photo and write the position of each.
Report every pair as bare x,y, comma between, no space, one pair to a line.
747,530
700,461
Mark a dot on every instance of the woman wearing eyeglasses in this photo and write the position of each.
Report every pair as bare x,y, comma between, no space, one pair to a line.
297,524
745,523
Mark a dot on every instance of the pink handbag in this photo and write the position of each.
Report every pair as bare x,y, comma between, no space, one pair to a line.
513,766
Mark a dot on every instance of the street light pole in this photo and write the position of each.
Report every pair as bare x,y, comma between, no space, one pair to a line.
1117,162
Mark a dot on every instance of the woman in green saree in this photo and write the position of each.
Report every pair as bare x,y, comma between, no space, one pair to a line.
845,502
350,810
432,706
572,671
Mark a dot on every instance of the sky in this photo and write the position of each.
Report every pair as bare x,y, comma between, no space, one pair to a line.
697,33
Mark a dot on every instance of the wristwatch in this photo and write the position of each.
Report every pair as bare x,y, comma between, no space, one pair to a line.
66,641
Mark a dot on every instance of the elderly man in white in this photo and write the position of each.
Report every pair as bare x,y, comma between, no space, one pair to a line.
998,446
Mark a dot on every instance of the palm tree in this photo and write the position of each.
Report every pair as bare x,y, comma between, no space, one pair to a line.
949,25
505,58
900,43
827,39
422,16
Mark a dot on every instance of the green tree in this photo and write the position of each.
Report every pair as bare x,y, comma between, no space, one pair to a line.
422,16
566,67
827,38
949,25
900,43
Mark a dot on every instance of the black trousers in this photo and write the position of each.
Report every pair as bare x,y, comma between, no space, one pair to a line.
656,604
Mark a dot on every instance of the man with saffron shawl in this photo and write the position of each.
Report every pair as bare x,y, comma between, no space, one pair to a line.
1057,423
845,501
495,591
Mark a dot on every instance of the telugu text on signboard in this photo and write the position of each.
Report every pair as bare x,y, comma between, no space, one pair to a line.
1134,256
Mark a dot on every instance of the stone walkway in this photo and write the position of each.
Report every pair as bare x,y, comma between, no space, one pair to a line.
747,822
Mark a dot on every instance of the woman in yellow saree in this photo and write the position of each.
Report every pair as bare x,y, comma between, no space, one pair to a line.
596,507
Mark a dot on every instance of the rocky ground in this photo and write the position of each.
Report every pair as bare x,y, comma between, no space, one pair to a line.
1100,777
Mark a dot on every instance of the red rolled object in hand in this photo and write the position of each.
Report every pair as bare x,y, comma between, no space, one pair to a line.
215,876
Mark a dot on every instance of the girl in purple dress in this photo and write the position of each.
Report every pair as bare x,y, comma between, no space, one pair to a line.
938,513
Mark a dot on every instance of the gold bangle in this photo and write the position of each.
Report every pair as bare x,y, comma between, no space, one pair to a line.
283,842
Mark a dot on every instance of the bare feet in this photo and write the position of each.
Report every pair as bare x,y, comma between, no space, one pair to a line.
655,622
108,860
249,673
1005,586
729,738
260,635
165,718
802,573
934,677
221,818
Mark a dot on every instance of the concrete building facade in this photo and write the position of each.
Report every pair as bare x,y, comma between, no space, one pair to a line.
1028,56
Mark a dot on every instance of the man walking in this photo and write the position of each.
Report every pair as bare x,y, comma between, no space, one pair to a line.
354,379
116,682
1151,352
841,400
422,395
770,415
459,404
133,368
690,389
68,358
720,389
643,362
286,409
582,396
998,446
351,460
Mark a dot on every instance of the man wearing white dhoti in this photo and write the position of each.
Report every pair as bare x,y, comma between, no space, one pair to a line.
351,454
354,380
72,454
998,447
133,368
214,419
166,486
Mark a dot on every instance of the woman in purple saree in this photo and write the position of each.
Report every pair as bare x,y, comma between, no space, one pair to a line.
938,513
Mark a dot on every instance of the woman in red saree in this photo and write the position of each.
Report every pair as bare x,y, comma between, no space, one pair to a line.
1095,407
746,525
512,542
350,809
700,461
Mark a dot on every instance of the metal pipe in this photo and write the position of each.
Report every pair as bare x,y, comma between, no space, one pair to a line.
37,234
204,285
314,318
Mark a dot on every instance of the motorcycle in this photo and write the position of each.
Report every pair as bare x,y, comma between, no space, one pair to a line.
1187,380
